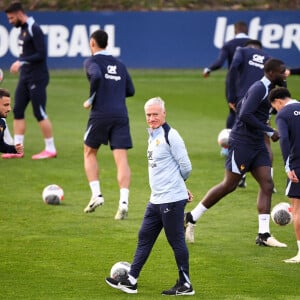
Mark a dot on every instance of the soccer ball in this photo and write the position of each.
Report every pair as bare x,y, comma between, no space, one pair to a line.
223,137
281,214
120,270
53,194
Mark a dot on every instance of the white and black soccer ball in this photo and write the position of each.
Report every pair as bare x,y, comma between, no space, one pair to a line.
120,270
223,137
53,194
281,214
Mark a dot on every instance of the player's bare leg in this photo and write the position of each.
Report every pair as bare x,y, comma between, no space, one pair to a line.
263,177
123,177
50,150
296,222
92,174
213,196
216,193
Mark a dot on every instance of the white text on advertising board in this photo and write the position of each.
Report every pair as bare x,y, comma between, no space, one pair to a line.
272,36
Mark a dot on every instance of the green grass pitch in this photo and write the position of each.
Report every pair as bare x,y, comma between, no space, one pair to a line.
58,252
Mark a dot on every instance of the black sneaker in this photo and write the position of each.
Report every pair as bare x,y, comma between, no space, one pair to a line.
124,285
242,183
180,289
188,218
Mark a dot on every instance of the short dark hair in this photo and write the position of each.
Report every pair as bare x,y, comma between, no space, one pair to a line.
14,6
4,93
101,38
279,93
240,27
272,64
256,43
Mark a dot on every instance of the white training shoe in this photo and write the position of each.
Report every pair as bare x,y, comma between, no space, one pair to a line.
189,232
122,211
272,242
94,203
265,239
293,260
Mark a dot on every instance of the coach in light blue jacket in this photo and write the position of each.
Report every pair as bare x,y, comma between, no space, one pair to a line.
169,167
169,164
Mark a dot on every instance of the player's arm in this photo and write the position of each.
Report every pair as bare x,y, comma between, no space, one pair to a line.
129,85
284,141
180,154
5,148
94,76
285,149
232,76
249,107
218,63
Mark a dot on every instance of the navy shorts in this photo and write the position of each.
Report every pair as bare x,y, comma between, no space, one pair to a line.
114,131
293,189
244,158
31,90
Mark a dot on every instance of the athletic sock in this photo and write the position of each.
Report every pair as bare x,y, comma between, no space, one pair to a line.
95,188
132,280
124,195
198,211
19,139
263,223
49,145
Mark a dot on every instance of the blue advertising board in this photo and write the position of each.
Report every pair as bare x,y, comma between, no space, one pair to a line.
156,39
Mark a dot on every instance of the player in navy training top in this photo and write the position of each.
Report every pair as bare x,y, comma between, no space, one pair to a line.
288,124
33,80
226,54
247,66
248,152
110,84
5,108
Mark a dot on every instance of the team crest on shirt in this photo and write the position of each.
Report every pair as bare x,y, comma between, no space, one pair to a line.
1,129
24,33
242,167
157,142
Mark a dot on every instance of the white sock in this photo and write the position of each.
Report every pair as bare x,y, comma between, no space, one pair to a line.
124,195
49,145
298,243
263,223
19,139
272,172
132,279
198,211
95,188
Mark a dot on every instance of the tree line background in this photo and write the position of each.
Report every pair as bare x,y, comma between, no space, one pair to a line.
154,5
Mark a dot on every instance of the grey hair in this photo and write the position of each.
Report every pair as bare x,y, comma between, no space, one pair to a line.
155,101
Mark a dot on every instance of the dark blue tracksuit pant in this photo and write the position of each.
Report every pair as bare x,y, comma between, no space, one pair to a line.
170,217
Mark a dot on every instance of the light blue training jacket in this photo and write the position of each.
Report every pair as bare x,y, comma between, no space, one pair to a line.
169,166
